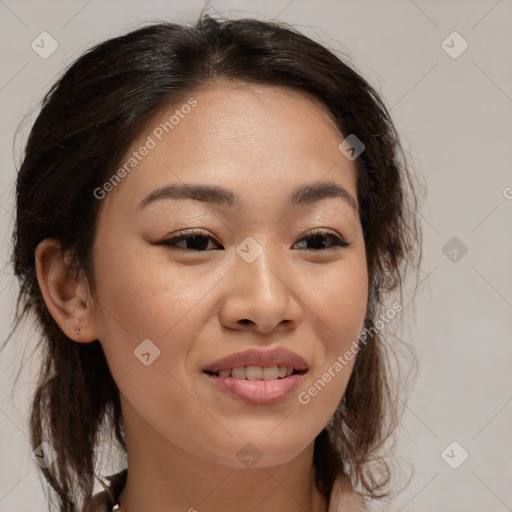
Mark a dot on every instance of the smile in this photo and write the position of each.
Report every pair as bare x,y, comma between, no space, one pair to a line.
255,384
257,372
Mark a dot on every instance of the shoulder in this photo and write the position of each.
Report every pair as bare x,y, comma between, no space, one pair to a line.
99,503
104,500
344,498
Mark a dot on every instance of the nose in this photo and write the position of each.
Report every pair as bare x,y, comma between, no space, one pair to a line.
261,295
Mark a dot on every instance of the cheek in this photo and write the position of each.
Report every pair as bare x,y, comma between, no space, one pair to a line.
339,303
139,293
143,315
338,297
144,296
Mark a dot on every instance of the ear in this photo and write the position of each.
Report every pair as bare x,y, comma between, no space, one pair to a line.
65,295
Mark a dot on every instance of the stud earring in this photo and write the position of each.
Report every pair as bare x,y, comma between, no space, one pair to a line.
77,330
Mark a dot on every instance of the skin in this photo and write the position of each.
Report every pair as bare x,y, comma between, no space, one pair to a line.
182,432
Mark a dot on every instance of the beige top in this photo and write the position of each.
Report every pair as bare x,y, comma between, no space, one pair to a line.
104,500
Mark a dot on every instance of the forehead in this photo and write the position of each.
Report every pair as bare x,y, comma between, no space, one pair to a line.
258,139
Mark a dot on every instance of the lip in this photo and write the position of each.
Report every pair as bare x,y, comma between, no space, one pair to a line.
263,358
260,392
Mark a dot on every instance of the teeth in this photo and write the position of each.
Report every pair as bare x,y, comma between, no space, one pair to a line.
254,372
258,372
238,373
270,373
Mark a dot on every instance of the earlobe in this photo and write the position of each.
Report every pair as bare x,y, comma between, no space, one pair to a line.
63,292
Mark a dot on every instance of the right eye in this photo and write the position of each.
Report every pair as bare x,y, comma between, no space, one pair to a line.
194,241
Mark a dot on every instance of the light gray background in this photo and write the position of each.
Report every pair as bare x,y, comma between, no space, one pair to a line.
455,118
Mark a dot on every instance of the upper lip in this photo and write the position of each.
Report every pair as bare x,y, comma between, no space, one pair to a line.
263,358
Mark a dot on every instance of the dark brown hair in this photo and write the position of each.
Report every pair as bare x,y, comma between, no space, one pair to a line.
87,122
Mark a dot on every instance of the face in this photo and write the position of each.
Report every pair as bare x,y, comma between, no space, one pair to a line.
185,282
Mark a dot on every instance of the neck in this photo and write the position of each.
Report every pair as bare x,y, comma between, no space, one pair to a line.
162,477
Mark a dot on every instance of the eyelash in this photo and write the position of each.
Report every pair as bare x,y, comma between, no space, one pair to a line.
171,242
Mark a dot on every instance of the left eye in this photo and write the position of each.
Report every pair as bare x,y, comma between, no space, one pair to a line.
316,240
197,241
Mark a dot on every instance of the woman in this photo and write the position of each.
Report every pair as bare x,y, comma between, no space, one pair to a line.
248,371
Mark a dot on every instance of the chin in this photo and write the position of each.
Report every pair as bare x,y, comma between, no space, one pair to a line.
263,451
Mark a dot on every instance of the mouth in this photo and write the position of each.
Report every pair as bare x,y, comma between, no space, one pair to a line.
258,391
258,377
257,372
255,363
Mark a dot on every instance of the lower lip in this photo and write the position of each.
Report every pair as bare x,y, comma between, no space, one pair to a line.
258,391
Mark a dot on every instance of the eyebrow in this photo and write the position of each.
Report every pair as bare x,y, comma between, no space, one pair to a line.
304,194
